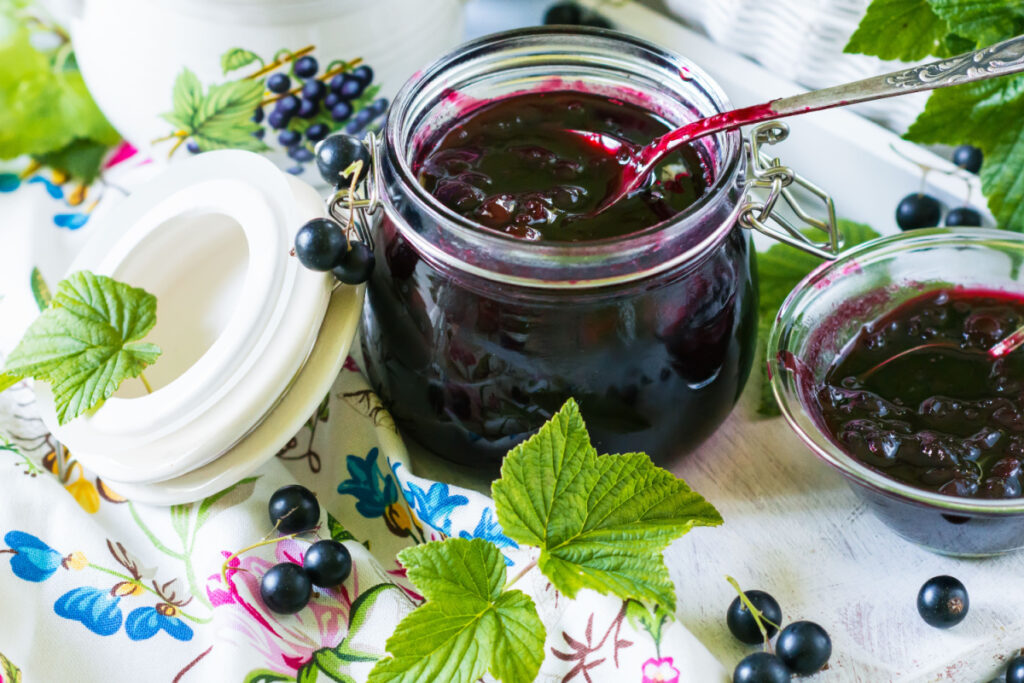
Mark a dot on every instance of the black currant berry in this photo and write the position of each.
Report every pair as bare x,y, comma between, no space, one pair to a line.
336,153
1015,670
337,81
287,138
566,13
942,602
314,90
918,210
317,132
257,115
351,88
293,508
741,622
968,158
289,104
306,67
963,215
307,109
279,83
804,647
761,667
192,146
277,119
363,73
341,111
301,154
285,588
319,244
356,264
328,563
331,100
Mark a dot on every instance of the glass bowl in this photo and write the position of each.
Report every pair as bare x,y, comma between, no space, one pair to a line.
827,309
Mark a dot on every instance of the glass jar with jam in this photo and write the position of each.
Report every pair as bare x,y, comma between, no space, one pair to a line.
498,294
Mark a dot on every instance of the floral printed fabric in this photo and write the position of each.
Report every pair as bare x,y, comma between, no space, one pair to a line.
94,587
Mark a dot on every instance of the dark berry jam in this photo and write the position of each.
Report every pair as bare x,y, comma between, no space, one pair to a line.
946,417
512,167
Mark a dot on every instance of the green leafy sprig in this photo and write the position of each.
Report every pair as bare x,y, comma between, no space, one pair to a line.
45,110
598,521
86,342
986,114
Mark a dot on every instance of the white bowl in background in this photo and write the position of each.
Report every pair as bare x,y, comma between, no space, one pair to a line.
131,52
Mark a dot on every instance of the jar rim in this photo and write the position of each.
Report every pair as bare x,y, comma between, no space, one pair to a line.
583,251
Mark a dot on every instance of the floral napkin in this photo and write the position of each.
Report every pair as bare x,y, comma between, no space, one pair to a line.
94,587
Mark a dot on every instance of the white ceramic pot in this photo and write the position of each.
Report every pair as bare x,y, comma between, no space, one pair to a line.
251,340
133,52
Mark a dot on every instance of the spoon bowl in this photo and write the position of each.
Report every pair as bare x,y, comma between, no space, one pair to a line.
637,162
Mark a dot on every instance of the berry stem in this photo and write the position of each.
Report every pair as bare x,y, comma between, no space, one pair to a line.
174,149
759,618
521,574
145,383
175,134
291,56
265,541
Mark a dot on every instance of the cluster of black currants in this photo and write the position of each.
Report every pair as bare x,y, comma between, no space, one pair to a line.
573,14
306,112
802,647
322,244
920,210
287,587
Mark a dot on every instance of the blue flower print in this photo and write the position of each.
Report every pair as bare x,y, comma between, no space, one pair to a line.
94,607
33,560
71,221
373,490
489,529
52,189
145,622
435,505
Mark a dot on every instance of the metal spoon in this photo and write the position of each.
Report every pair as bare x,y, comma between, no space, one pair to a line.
637,162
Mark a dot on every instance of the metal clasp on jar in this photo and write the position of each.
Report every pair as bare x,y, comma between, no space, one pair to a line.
354,208
768,173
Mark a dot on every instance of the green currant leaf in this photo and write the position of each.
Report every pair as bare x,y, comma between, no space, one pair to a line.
40,290
87,342
44,105
236,58
8,380
81,159
899,29
185,99
601,522
987,115
779,270
469,625
984,21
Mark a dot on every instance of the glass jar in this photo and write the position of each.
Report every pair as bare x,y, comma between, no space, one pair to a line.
474,338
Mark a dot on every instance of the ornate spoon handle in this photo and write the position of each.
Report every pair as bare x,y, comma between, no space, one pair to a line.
1000,59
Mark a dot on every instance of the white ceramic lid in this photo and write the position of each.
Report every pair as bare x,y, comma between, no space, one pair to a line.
237,316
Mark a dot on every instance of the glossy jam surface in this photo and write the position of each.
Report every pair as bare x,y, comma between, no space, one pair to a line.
512,167
945,418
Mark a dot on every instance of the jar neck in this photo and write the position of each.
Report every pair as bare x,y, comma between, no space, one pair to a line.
547,59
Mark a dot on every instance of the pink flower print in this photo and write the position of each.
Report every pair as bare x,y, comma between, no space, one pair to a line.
285,642
660,671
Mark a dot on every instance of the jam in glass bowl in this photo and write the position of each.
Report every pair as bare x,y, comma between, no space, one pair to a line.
878,361
496,297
